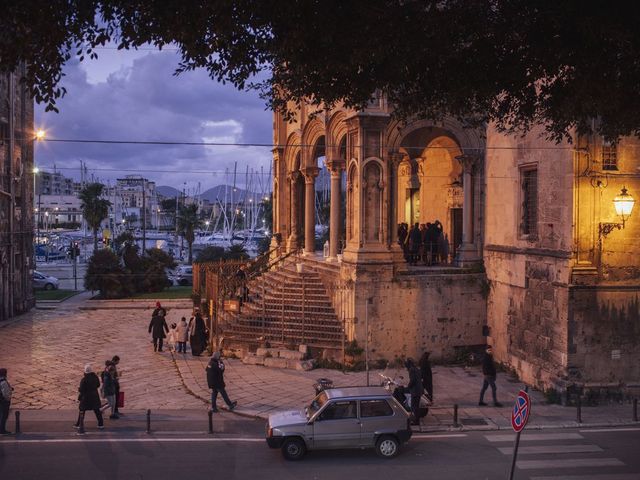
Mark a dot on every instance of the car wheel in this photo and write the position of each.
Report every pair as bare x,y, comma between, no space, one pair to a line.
293,449
387,446
49,286
183,282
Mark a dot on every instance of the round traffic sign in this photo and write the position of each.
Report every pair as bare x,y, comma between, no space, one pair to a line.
521,410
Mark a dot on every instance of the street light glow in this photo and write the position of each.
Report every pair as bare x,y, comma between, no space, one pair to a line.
36,170
40,134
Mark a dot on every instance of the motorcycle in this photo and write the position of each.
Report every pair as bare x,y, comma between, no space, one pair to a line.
402,395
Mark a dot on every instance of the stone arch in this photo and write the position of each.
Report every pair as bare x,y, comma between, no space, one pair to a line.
292,150
312,132
470,140
336,134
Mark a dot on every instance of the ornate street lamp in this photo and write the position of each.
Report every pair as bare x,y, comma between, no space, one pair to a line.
623,204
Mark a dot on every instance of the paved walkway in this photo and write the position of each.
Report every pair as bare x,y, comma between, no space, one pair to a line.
46,349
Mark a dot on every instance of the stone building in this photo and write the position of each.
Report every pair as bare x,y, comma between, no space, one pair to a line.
535,260
16,197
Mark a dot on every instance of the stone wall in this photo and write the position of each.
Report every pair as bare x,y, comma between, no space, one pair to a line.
604,334
411,313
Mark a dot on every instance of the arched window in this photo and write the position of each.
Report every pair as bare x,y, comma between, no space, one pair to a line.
372,202
352,191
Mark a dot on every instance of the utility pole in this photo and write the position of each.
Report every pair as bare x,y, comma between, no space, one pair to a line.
144,217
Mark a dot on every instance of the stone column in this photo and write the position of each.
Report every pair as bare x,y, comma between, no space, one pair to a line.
335,167
294,241
467,253
310,174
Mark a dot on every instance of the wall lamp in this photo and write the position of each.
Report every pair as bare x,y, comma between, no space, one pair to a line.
623,203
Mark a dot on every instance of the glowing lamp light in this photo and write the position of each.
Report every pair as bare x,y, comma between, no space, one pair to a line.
40,134
623,204
36,170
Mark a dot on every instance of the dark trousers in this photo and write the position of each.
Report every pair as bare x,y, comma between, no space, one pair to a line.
214,397
98,417
489,380
117,387
157,344
182,347
415,408
4,415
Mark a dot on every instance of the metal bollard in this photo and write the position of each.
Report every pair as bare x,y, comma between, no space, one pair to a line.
17,422
635,409
148,421
579,409
455,415
210,415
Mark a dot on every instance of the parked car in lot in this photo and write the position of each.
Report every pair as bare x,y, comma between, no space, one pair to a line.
182,275
347,417
46,282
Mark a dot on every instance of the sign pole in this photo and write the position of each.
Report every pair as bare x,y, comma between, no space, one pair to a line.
519,428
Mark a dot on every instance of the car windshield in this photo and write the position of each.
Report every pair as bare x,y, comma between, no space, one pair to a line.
317,404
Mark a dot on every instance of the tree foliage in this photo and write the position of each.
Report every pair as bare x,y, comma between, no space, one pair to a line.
570,64
94,208
188,222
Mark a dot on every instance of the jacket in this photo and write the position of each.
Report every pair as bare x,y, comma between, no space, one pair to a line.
88,392
159,325
108,383
5,390
215,374
488,367
182,331
415,381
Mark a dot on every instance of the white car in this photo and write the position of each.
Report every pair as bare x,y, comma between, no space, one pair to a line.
46,282
182,275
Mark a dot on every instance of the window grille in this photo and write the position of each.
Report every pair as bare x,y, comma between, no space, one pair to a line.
609,156
529,202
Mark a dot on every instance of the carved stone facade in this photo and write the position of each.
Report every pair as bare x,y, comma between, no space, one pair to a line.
559,299
16,198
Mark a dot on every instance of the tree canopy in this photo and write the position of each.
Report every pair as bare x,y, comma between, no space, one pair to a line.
569,65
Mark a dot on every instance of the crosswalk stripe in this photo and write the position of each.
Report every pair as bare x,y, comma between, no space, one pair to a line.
606,476
533,437
569,463
539,449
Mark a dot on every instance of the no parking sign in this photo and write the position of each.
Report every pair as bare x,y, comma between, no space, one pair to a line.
520,412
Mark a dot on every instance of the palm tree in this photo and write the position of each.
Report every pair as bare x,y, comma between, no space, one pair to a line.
94,208
188,222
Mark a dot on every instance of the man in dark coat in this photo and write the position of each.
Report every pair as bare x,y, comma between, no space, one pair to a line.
415,240
89,397
5,401
427,375
415,389
489,372
158,327
215,380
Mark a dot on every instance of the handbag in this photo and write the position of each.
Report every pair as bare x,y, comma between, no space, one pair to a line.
120,400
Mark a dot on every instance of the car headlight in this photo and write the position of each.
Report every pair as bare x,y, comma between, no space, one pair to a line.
274,432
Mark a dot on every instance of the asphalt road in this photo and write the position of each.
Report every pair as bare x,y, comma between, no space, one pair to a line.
577,454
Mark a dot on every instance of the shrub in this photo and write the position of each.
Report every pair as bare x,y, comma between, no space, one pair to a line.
106,275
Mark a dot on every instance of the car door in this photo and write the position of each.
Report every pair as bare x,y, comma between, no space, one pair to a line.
337,425
376,416
38,280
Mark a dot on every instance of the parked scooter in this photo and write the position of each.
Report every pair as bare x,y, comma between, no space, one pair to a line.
402,395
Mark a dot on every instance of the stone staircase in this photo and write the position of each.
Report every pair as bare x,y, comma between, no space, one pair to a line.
286,307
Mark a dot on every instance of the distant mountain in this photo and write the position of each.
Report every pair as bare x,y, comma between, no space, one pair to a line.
167,191
219,192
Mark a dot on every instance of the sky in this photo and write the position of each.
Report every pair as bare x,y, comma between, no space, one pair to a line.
134,96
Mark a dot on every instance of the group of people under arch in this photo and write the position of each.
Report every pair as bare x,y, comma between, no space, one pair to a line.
423,243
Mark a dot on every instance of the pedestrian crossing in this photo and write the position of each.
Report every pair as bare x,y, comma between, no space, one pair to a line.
549,456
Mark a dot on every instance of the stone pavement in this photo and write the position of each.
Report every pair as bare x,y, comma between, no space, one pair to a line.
46,349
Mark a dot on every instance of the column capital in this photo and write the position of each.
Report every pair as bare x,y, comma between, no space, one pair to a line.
310,174
294,175
396,158
468,162
336,165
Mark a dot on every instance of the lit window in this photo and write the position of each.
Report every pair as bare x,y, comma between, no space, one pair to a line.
529,182
609,156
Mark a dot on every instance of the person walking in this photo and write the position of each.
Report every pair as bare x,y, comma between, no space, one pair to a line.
158,327
89,397
197,334
6,391
415,389
427,375
215,381
159,308
182,335
116,379
489,372
109,388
